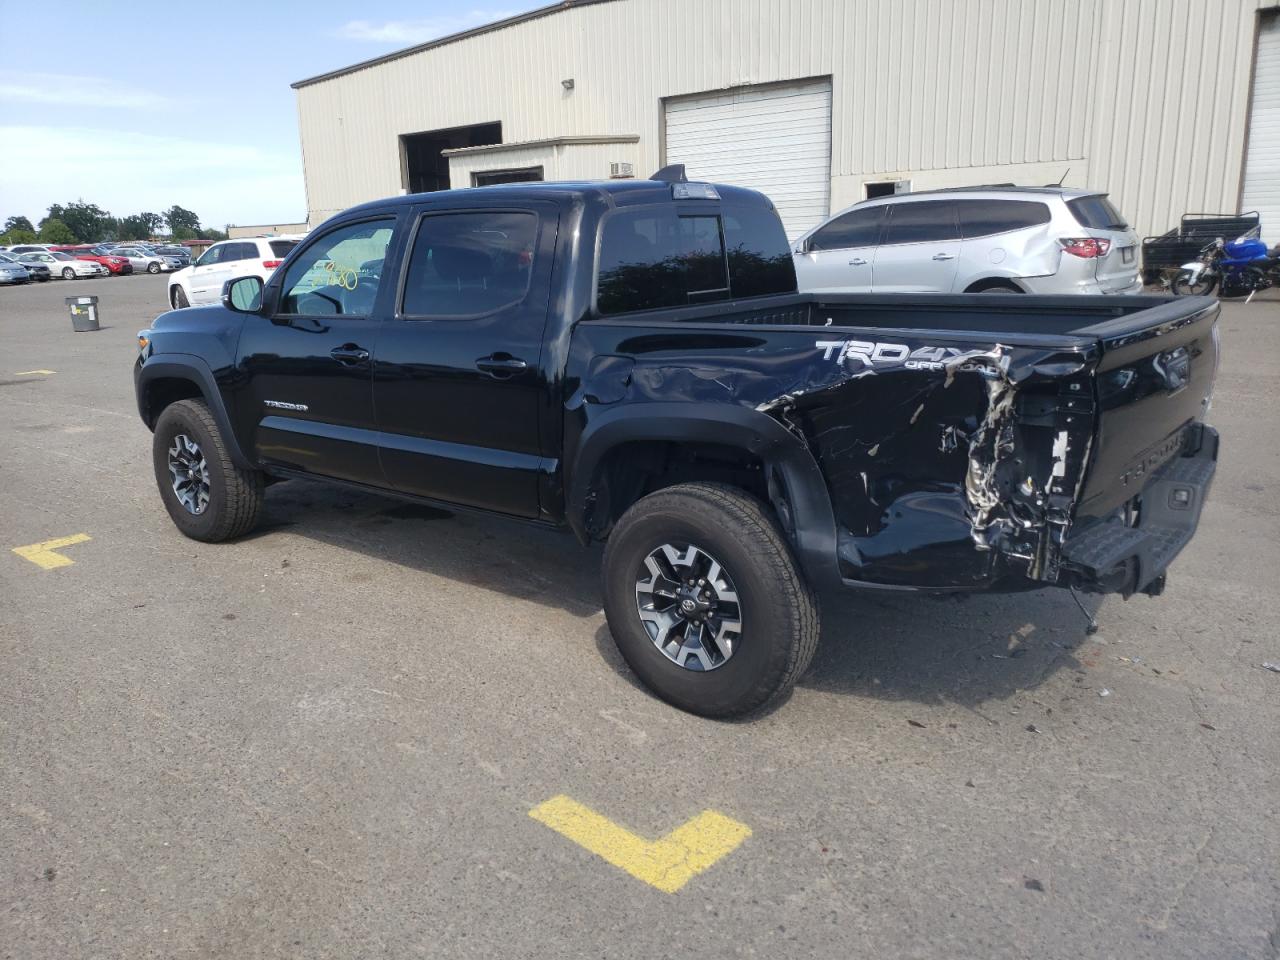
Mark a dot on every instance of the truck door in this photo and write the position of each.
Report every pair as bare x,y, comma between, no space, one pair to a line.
305,395
457,380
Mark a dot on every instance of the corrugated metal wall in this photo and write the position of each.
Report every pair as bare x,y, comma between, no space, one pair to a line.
1145,98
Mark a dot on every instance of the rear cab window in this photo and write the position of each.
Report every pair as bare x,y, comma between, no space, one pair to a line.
661,256
1097,213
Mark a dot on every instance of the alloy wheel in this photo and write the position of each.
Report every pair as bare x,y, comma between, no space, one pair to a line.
689,606
189,474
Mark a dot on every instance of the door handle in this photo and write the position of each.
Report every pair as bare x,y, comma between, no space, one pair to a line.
944,256
501,365
349,354
857,262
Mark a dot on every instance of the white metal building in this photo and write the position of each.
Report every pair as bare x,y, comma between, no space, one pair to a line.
1172,106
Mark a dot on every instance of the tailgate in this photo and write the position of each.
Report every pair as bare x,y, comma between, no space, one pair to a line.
1155,377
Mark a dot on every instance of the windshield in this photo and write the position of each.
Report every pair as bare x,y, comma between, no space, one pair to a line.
63,256
1097,213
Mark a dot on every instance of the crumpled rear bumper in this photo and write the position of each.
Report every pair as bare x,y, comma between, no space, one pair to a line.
1115,556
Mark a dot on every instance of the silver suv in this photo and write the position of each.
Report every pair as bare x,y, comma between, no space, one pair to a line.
1002,239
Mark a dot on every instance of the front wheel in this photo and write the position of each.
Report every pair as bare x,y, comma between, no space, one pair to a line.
1185,286
179,299
68,273
705,600
153,268
208,497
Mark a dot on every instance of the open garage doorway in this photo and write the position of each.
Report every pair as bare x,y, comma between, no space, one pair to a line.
422,167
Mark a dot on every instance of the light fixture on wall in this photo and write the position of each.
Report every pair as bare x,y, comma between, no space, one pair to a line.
567,84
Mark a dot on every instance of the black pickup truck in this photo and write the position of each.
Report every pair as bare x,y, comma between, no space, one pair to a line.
631,360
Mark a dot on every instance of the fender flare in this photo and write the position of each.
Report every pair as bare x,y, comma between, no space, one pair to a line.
732,426
194,369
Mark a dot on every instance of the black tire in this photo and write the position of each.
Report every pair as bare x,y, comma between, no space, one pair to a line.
153,268
234,495
777,609
179,299
1181,286
68,273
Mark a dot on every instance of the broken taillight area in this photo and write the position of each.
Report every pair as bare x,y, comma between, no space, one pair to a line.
1086,248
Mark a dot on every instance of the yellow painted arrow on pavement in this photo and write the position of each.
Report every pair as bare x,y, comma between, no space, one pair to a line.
42,555
667,863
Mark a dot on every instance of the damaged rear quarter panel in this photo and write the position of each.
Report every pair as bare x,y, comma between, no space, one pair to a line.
949,463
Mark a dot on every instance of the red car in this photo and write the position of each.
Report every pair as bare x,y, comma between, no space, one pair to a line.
117,265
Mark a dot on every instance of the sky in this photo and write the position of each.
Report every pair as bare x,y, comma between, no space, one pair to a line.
184,104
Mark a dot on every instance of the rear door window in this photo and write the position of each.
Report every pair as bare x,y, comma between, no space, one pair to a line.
857,228
921,222
1097,213
469,264
984,218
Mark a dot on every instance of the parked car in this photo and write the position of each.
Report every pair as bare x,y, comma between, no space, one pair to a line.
977,240
114,263
181,254
141,260
556,352
66,266
28,248
13,272
202,282
36,271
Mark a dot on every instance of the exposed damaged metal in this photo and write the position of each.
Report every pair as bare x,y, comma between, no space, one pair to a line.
948,463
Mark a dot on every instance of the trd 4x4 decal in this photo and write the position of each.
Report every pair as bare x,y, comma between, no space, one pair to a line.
864,355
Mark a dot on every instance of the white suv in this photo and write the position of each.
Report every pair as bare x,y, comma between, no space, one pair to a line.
975,240
226,260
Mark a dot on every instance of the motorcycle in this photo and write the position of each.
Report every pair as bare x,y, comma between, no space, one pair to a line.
1236,269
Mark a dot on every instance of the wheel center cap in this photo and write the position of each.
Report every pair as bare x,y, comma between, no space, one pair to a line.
688,606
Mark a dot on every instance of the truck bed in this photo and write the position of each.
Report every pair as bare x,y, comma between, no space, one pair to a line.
968,434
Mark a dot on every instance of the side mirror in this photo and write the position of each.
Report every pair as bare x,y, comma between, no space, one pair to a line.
243,295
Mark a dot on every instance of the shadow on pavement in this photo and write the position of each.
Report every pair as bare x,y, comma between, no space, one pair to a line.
911,647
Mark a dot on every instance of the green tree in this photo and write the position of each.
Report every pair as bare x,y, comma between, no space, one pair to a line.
87,221
185,233
211,234
53,230
18,223
180,218
17,235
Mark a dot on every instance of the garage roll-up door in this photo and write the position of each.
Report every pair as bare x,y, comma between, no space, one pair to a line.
1262,167
774,139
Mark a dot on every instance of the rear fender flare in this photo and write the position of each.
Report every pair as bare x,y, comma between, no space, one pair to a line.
740,427
195,370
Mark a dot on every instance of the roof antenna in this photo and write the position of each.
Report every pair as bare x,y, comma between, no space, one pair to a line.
1060,179
671,174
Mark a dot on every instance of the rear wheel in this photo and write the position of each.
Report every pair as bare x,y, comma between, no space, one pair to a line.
706,602
1185,286
208,497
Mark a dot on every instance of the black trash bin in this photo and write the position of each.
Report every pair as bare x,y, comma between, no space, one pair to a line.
84,313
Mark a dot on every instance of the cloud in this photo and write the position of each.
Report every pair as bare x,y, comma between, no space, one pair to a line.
66,88
222,182
408,32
